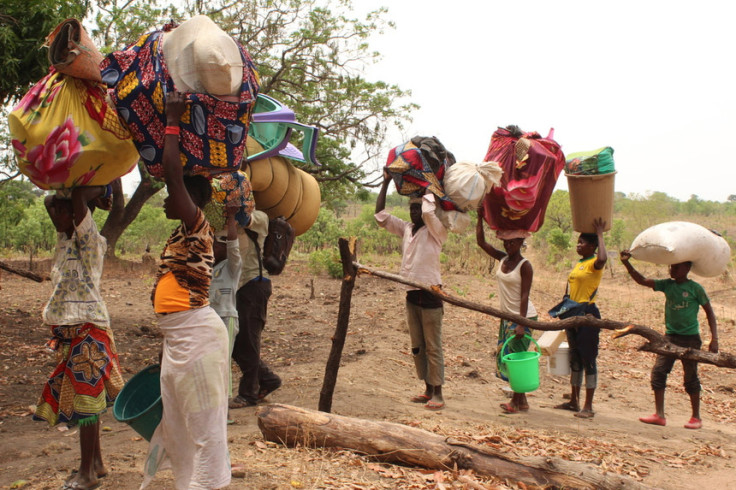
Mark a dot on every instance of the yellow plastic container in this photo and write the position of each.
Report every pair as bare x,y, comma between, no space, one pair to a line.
591,197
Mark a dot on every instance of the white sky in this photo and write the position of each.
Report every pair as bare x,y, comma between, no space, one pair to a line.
654,80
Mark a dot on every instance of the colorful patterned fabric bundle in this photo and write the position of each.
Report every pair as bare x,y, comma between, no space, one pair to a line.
531,165
213,130
230,190
421,164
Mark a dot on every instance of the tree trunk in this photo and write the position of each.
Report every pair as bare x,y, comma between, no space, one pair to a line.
347,254
396,443
122,215
656,342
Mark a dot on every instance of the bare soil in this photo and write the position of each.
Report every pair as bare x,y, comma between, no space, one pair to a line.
376,380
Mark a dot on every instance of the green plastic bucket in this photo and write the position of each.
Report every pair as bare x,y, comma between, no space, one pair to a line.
523,368
139,402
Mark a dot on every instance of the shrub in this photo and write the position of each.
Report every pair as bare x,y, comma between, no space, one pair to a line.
325,260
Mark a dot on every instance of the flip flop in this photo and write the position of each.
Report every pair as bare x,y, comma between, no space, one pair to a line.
509,408
75,485
240,402
99,475
653,420
434,405
420,398
585,414
567,406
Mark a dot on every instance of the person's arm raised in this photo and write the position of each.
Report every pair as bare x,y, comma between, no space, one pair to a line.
381,200
81,196
480,237
181,202
625,255
602,256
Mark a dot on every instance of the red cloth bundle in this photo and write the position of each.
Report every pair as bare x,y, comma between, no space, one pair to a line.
531,165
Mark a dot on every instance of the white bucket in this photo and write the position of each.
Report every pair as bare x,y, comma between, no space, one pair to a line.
559,362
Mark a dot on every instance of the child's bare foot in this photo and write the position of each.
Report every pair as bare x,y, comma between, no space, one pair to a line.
78,482
100,470
585,413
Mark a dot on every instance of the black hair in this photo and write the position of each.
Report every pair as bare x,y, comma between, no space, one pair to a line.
199,189
591,238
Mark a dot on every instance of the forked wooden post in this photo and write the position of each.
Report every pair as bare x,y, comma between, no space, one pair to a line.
347,256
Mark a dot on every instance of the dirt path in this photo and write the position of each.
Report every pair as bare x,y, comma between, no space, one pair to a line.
375,382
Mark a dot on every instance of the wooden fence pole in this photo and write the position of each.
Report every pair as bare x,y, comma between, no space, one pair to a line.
347,255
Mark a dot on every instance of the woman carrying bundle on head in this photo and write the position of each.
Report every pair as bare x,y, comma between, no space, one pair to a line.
582,284
514,277
192,435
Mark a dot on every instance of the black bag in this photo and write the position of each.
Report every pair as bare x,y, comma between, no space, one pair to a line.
568,308
276,247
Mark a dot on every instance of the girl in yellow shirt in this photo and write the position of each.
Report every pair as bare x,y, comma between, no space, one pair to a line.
583,283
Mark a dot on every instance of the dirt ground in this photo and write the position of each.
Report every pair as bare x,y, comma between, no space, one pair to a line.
376,380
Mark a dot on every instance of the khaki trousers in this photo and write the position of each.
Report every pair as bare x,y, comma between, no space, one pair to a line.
425,331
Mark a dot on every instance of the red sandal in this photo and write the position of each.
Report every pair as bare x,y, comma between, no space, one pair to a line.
509,408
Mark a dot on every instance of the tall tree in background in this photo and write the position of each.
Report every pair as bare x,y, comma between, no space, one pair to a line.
310,55
24,26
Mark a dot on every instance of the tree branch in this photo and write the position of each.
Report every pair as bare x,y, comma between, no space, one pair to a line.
656,341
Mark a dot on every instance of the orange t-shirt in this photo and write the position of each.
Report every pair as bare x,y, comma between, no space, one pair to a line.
169,296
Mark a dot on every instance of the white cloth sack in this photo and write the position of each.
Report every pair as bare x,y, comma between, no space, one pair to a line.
192,436
202,58
680,241
468,183
455,221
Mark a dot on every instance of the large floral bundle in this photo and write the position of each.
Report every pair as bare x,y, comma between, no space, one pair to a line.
531,165
66,132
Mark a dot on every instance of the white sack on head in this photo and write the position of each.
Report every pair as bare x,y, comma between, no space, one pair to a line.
679,241
468,183
202,58
455,221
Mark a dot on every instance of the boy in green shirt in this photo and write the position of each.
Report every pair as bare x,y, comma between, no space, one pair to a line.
683,297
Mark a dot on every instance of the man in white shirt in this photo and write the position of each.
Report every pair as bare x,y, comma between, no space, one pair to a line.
422,241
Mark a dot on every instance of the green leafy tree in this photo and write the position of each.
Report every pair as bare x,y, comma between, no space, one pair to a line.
24,26
309,54
35,231
15,197
150,230
324,232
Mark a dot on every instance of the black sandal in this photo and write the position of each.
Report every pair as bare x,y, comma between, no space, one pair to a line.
240,402
567,406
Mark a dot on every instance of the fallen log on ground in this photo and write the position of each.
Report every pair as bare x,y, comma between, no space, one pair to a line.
22,273
396,443
656,342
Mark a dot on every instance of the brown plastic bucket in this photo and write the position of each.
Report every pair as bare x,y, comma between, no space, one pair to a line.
591,197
